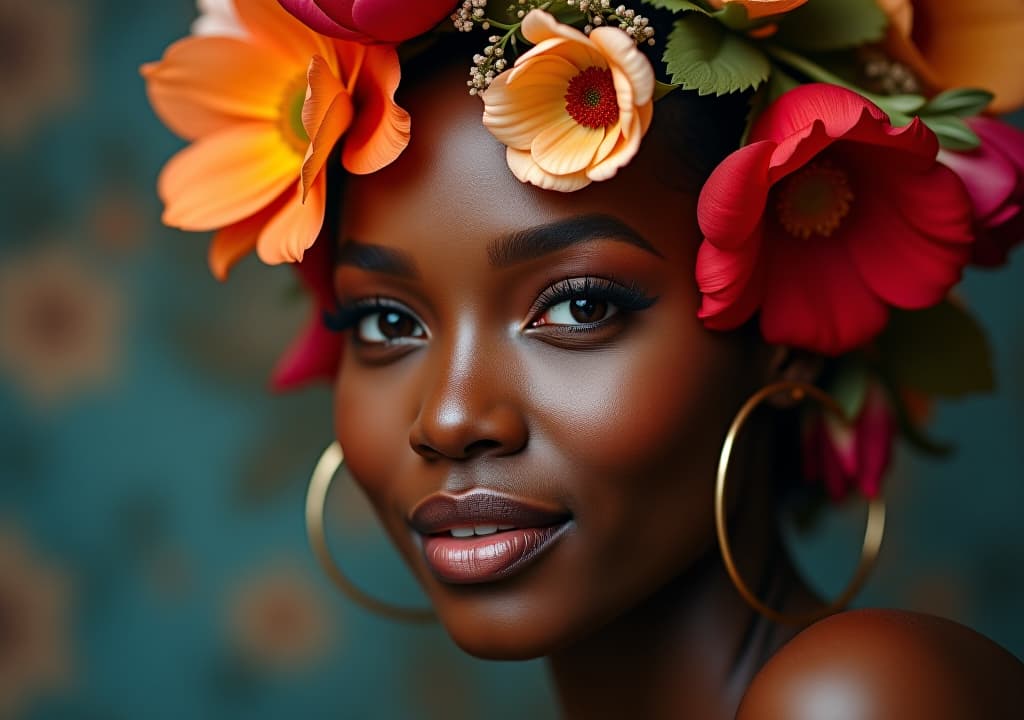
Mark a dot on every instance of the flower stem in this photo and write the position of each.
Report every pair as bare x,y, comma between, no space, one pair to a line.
808,68
894,106
501,25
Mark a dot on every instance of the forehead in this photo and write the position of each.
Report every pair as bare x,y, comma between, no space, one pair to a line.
453,185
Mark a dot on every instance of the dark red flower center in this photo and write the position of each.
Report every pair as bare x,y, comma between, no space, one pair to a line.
591,100
814,200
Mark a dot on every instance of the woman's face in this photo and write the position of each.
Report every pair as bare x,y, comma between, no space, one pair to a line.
530,361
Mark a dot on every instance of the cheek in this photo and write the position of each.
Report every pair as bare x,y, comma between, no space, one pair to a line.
640,432
372,426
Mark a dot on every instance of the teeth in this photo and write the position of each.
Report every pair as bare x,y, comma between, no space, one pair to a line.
465,532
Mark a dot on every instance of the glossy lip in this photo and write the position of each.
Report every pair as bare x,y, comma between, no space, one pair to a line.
441,512
484,558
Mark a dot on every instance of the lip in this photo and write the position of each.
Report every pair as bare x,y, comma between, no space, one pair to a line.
484,558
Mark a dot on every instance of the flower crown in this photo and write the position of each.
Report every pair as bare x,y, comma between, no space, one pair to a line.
867,179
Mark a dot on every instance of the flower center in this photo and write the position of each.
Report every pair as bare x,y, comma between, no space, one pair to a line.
591,100
814,200
290,115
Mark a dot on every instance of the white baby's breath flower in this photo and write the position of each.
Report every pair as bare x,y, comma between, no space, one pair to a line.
218,17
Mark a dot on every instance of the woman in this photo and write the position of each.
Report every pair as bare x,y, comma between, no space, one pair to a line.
534,390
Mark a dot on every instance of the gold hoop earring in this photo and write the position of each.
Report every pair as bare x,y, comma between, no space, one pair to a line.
872,533
316,497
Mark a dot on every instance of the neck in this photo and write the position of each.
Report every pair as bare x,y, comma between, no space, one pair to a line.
691,649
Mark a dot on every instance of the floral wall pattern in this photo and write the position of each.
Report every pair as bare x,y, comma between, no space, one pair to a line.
152,549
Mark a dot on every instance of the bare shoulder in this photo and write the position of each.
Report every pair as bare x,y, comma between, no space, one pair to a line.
881,664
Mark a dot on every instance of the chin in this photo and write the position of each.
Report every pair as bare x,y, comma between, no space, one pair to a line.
500,626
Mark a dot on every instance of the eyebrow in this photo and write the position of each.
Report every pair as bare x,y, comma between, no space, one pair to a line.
377,258
512,249
536,242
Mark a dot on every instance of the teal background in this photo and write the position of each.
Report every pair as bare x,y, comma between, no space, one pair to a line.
165,488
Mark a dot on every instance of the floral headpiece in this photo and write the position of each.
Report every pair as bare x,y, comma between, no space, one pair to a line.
869,176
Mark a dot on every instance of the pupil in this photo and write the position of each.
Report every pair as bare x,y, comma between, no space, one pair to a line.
585,310
394,324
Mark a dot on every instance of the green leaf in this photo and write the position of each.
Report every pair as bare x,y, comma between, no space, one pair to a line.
702,55
917,436
733,15
678,6
849,387
941,351
952,131
907,104
900,108
662,89
960,102
832,25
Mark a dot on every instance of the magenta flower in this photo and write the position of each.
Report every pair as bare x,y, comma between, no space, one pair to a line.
994,176
844,457
370,21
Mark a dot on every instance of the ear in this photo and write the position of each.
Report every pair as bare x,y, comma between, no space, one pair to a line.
788,364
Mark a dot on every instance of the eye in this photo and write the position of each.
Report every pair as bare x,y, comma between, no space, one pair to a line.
587,303
378,322
388,327
580,310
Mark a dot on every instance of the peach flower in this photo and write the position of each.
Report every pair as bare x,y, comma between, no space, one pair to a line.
574,108
757,9
961,44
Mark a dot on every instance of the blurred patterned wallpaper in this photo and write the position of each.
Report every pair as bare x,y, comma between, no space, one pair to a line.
153,561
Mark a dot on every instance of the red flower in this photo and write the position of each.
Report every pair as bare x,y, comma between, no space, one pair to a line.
370,21
843,458
315,354
828,216
994,176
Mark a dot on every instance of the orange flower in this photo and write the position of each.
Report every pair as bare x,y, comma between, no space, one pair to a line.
574,108
972,43
757,9
264,112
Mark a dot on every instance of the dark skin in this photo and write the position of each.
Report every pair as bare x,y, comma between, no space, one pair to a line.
604,404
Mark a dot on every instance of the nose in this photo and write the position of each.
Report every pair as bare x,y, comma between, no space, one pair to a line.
471,406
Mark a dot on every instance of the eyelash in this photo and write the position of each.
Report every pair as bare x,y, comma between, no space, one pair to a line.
627,297
349,315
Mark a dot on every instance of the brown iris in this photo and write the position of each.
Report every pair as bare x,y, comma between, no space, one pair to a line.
393,325
586,310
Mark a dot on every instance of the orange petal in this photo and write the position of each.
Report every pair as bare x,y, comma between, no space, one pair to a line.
900,14
516,112
326,116
757,9
974,44
226,177
624,149
295,228
566,147
552,37
521,163
204,84
627,63
274,27
234,242
381,128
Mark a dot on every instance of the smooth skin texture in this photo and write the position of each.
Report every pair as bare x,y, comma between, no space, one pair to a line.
473,377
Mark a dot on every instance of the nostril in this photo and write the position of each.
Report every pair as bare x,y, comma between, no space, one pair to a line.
480,447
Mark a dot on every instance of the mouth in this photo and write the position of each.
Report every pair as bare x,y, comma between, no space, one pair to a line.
483,536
